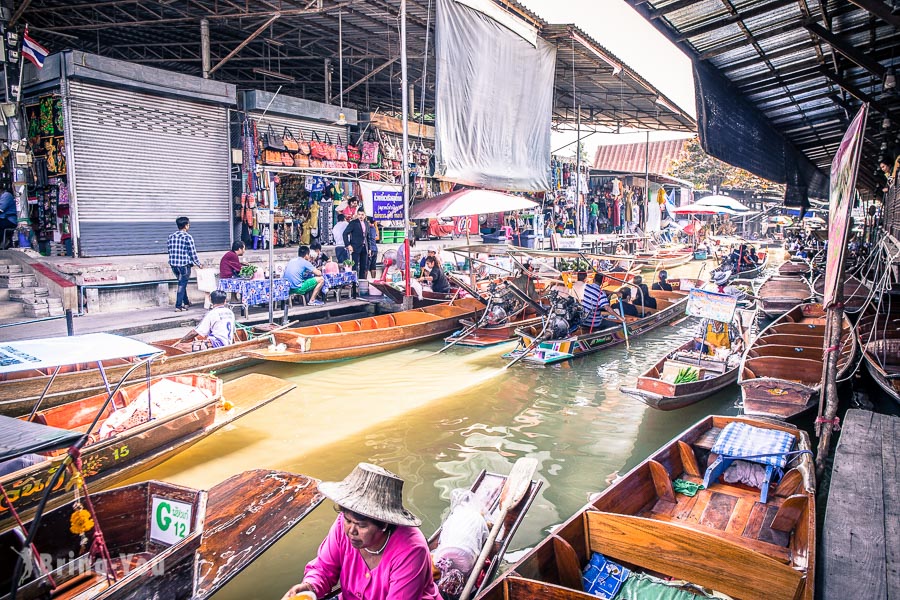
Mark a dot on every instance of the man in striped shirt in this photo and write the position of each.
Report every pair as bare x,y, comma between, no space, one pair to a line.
182,256
594,304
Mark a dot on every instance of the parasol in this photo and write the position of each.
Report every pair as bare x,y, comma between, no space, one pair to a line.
724,202
705,209
463,203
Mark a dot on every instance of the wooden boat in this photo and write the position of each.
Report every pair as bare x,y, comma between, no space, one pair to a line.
370,335
723,538
756,271
781,371
428,297
507,308
129,445
855,293
582,341
19,390
656,387
793,268
883,363
164,540
486,491
777,295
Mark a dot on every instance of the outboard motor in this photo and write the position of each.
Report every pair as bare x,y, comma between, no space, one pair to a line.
502,304
563,317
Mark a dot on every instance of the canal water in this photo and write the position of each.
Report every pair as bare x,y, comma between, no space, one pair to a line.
437,421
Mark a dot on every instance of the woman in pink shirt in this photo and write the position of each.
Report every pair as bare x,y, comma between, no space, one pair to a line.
374,550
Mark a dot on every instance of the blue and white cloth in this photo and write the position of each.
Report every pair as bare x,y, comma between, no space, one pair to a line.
182,252
756,444
337,280
255,291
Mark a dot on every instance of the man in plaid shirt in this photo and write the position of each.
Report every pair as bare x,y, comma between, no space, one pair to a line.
182,256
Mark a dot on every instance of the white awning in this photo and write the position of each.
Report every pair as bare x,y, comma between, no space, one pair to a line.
61,351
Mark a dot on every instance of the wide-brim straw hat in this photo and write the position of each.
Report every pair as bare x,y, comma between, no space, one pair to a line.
373,492
720,278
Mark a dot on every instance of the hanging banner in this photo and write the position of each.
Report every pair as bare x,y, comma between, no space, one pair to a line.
843,187
383,201
711,305
494,91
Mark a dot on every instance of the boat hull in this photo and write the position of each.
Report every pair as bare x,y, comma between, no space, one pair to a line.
483,337
886,372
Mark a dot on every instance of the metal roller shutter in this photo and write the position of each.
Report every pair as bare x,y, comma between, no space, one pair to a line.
142,160
294,125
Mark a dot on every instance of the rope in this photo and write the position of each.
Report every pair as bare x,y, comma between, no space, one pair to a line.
98,546
835,422
33,547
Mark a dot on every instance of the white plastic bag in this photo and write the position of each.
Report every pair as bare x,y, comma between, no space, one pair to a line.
206,280
462,537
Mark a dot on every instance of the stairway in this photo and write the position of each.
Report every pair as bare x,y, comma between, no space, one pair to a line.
21,297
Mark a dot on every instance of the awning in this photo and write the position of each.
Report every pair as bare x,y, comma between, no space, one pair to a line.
463,203
61,351
18,437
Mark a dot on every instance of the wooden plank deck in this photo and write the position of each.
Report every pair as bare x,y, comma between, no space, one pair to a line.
860,550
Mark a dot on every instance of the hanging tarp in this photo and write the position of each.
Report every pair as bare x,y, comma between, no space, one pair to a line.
494,99
733,130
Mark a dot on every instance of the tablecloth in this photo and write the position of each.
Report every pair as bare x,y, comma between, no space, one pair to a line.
338,280
255,291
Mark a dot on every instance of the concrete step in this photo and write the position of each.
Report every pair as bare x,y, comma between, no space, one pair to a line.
12,310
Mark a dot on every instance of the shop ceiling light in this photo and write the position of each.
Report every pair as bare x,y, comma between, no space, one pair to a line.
890,81
342,119
273,74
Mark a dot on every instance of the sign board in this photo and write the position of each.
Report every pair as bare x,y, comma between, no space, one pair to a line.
394,125
463,225
711,305
384,201
170,521
843,188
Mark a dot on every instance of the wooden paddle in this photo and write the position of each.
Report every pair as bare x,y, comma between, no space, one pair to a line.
514,489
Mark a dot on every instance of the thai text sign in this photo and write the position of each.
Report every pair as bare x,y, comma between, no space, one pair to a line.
711,305
384,201
170,521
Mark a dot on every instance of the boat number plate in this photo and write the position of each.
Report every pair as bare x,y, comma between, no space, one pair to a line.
170,521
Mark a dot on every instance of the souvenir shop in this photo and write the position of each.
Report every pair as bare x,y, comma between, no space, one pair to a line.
295,155
620,199
565,209
119,153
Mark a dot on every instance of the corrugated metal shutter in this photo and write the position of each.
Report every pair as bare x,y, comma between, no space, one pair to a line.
299,125
141,161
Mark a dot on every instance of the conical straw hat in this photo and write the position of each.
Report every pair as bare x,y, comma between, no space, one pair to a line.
371,491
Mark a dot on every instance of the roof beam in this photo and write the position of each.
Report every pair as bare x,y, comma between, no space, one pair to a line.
851,54
880,10
854,91
371,74
249,39
719,23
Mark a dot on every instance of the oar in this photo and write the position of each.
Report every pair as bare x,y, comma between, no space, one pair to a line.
624,325
465,332
514,489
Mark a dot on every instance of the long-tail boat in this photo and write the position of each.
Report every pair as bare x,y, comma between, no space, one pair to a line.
368,335
486,491
777,295
855,293
879,338
159,540
781,371
539,347
144,424
19,389
507,308
659,388
756,271
669,535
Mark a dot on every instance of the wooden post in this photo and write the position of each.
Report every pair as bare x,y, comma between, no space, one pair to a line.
828,396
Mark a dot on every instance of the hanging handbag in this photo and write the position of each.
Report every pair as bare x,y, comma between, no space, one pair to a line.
272,141
287,159
317,147
271,157
301,160
316,163
302,143
330,149
370,151
290,142
388,149
341,149
353,153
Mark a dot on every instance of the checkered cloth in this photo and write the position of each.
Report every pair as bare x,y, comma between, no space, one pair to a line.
255,291
763,446
181,249
337,280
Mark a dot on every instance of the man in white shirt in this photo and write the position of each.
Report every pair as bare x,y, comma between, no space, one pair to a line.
340,253
217,327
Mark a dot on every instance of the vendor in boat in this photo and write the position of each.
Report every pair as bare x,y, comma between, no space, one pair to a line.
663,284
436,276
642,294
720,283
623,265
717,334
216,330
374,549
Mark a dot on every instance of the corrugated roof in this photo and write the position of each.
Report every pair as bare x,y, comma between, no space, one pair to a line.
632,158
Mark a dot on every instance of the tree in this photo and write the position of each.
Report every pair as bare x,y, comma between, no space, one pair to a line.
702,170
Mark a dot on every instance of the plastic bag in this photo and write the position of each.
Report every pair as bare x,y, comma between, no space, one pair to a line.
206,280
462,537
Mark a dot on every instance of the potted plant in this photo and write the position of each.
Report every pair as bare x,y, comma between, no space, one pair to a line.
347,265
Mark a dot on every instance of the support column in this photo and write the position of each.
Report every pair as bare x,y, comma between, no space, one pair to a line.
327,81
204,47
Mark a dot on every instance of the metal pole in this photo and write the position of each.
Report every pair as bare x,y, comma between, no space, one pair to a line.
204,47
579,226
646,187
70,323
404,173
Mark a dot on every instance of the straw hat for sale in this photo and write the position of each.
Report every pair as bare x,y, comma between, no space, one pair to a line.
373,492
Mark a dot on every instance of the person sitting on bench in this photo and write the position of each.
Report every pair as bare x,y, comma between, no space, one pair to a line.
642,295
625,306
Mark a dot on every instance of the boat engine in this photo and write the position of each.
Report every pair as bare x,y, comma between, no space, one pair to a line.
502,304
563,317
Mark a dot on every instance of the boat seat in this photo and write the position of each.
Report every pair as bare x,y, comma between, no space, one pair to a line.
740,441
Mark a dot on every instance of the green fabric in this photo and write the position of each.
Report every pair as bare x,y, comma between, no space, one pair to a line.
640,586
688,488
307,286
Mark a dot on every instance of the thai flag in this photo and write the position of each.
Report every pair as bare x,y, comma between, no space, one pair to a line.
33,51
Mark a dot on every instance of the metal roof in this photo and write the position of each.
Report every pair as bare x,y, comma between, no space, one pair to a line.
632,158
264,44
806,66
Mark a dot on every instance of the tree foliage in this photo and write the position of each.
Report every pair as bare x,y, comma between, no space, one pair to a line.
704,171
